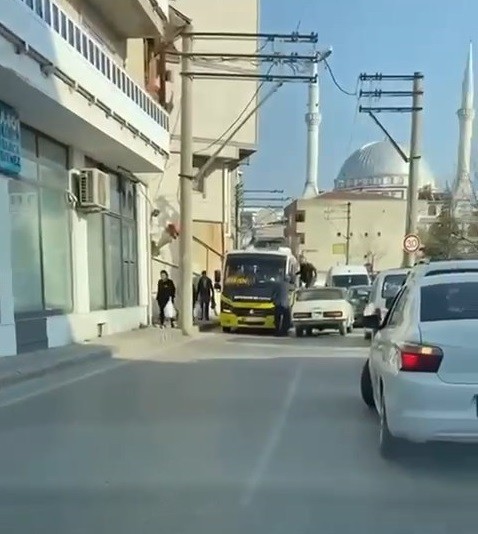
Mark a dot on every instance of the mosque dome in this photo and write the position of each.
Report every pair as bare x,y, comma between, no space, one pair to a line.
378,167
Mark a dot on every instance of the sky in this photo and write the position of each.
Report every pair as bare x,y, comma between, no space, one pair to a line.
431,36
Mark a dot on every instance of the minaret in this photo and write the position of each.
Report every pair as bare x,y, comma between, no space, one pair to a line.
463,186
312,119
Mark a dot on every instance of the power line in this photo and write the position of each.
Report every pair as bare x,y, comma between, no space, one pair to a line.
336,83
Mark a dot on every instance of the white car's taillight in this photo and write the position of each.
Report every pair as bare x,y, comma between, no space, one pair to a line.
420,358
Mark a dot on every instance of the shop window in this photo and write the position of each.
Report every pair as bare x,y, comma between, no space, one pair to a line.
25,247
96,262
41,247
113,256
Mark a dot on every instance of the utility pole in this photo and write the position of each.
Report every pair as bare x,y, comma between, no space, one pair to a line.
414,164
186,191
347,234
413,159
237,212
186,175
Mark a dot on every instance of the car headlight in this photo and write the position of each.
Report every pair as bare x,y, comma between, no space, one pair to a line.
225,307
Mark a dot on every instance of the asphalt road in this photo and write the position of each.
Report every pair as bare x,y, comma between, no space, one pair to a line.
229,434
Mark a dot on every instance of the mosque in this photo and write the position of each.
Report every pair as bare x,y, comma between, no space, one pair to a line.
363,217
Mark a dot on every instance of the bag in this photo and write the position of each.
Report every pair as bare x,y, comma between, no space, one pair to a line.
170,310
197,311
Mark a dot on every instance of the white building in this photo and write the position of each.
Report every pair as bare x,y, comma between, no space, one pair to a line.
67,103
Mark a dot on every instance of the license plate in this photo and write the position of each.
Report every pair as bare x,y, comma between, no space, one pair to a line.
252,320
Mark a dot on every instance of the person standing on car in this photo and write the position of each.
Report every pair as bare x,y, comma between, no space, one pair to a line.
166,291
205,293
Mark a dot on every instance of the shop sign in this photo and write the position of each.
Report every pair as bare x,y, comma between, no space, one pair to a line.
10,141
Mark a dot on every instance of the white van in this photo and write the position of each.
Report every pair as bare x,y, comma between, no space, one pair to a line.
385,287
347,276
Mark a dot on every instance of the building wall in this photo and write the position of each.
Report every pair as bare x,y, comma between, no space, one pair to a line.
66,275
217,104
377,229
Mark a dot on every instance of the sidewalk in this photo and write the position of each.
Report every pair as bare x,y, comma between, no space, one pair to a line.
126,345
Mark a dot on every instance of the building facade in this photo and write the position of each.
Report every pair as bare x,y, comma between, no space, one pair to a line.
73,125
217,103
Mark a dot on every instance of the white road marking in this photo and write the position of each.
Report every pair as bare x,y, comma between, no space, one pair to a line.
272,440
360,351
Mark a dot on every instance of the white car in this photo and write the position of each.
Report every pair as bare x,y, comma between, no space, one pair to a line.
322,308
422,370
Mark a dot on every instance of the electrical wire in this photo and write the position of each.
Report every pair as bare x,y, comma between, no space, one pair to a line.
239,117
336,83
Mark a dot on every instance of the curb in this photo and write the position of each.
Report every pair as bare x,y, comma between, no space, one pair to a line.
23,376
208,327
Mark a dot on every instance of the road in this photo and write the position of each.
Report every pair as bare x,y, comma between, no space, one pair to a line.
229,434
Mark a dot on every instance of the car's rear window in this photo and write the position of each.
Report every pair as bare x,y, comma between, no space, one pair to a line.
320,294
347,280
392,284
448,302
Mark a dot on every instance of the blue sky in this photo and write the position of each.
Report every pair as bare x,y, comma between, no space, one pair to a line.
387,36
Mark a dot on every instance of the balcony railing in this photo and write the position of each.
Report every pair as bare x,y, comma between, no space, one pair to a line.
54,17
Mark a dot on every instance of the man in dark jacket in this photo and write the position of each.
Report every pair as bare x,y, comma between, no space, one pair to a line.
205,295
307,273
166,291
280,298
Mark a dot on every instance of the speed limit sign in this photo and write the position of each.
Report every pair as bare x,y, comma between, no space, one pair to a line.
411,243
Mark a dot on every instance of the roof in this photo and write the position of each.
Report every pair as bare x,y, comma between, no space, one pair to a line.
350,195
381,159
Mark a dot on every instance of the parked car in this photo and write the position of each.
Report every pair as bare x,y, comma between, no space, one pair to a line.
358,296
322,308
384,289
422,371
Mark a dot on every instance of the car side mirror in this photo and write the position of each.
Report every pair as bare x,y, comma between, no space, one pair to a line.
217,286
371,321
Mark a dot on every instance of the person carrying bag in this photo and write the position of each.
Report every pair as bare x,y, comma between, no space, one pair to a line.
165,298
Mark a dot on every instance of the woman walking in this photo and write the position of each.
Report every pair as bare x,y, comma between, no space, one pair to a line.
166,291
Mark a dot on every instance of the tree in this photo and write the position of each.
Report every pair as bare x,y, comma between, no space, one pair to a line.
441,241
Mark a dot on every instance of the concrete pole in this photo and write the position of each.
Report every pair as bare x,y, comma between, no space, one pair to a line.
414,166
186,191
312,119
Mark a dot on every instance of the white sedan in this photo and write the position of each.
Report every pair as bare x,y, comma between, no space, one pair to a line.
422,371
322,308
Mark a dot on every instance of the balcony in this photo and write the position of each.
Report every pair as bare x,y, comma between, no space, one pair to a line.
60,78
134,18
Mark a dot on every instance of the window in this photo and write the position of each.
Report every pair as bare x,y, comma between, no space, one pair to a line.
30,4
91,48
449,302
71,33
432,210
300,216
39,8
347,280
392,284
320,294
64,26
56,18
78,39
301,238
47,13
112,248
396,312
41,249
84,41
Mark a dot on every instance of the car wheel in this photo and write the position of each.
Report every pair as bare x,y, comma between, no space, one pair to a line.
367,335
389,444
226,329
309,331
299,332
350,328
343,329
366,386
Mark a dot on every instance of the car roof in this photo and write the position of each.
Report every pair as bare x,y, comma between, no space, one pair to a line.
442,267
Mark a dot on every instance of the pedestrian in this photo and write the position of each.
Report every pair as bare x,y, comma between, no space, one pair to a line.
280,299
205,295
166,292
307,273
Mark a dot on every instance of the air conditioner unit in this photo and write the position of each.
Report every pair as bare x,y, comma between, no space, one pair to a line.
93,190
